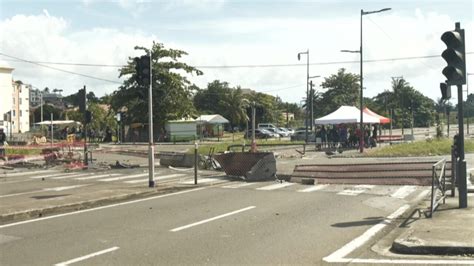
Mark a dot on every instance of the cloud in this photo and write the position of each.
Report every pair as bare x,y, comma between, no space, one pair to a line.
49,38
238,41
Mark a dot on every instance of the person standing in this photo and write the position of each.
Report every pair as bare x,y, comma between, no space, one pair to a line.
3,139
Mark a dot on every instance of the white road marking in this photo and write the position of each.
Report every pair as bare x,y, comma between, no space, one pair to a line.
200,181
64,188
157,178
6,174
313,188
276,186
43,190
87,256
100,208
238,185
211,219
50,175
95,176
122,177
404,261
70,176
402,192
356,190
362,239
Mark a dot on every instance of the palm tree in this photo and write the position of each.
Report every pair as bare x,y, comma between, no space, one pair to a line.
235,112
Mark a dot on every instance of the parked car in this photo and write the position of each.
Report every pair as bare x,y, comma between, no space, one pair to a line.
286,130
260,134
301,135
279,132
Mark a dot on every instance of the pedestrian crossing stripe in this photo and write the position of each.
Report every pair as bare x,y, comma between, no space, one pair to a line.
51,175
276,186
7,174
238,185
96,176
199,181
356,190
70,176
313,188
157,178
122,177
404,191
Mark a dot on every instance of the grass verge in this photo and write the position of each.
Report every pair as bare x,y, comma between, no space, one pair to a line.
419,148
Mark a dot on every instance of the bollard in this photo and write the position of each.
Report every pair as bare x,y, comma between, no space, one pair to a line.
195,162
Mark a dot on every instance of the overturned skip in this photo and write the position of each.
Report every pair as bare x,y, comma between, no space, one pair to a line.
252,166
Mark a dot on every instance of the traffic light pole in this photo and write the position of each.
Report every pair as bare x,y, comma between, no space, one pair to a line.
151,147
461,171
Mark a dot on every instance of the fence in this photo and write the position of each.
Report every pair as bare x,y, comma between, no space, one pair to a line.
438,186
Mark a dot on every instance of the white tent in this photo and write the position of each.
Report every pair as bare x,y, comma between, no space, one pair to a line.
211,119
58,122
346,115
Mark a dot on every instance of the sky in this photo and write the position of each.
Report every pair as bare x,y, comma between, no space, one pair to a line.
248,43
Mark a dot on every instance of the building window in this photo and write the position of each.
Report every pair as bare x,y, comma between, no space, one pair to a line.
21,113
14,113
19,101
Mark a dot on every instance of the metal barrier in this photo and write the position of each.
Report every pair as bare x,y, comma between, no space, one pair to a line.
438,184
454,168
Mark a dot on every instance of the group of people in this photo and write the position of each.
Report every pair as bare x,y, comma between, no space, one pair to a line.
93,135
347,136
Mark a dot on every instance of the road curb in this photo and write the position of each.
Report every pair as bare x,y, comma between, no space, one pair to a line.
409,244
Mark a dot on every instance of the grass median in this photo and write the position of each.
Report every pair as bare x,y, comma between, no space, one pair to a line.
433,147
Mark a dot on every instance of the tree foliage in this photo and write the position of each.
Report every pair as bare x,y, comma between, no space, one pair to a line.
342,89
172,91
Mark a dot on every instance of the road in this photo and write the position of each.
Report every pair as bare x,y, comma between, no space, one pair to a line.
229,223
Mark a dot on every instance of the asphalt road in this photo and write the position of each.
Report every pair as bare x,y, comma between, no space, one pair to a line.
232,223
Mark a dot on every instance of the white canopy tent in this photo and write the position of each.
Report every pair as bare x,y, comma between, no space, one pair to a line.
346,115
58,122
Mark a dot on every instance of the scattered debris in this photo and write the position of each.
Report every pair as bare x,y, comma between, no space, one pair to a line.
119,165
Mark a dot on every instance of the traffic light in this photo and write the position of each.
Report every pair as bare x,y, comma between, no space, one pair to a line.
88,117
456,145
142,66
455,56
82,100
445,91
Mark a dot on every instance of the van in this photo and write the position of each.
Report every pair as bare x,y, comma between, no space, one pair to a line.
266,125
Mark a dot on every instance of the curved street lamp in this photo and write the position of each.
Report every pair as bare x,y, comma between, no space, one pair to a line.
307,89
362,13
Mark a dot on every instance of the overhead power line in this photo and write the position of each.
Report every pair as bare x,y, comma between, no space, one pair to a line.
236,66
61,70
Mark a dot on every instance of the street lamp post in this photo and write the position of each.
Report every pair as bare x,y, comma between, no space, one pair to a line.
307,90
361,125
311,94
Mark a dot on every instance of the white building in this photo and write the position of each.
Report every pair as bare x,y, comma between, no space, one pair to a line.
6,99
21,108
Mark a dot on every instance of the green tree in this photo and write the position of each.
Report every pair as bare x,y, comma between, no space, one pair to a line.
233,109
47,111
209,100
342,89
172,91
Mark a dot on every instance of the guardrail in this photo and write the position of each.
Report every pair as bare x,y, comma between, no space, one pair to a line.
438,186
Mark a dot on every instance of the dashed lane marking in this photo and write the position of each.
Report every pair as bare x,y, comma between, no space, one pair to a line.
87,256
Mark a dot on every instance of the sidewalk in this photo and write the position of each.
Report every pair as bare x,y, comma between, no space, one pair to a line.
449,232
